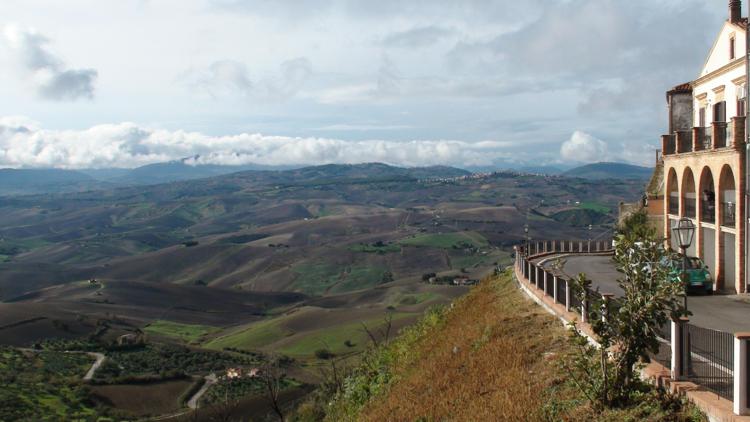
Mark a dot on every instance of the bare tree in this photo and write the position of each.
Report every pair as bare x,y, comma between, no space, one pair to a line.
381,335
273,376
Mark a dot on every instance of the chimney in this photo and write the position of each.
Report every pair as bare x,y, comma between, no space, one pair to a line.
735,11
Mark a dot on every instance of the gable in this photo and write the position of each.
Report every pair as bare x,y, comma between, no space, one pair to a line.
719,55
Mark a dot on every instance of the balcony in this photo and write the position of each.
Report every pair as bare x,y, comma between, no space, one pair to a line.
689,207
728,214
708,211
718,135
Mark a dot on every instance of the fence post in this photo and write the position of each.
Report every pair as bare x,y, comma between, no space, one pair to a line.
580,246
554,289
740,402
567,295
539,280
679,348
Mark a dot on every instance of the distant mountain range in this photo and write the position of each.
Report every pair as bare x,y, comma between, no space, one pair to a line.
38,181
600,171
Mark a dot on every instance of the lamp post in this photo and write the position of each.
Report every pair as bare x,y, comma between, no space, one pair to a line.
590,228
684,230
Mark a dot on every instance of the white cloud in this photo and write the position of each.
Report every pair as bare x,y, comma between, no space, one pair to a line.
47,73
582,147
24,144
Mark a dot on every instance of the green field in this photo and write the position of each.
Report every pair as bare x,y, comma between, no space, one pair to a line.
595,206
43,386
358,278
317,279
256,336
184,332
446,240
415,299
370,248
334,338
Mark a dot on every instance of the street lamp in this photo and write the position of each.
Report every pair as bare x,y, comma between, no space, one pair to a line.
684,230
591,226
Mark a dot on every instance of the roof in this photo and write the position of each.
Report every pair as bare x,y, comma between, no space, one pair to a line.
687,87
742,23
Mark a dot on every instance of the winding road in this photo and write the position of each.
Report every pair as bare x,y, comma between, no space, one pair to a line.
729,313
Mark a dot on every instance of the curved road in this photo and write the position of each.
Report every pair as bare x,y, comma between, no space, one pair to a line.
729,313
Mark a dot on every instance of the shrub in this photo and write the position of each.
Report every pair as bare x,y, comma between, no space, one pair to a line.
323,354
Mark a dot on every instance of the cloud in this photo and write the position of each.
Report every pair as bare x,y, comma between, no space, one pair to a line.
417,37
229,78
24,144
582,147
47,73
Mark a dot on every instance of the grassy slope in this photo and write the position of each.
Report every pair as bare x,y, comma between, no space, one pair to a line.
184,332
445,240
493,356
472,363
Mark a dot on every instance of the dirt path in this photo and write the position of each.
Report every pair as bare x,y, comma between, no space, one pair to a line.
193,402
100,358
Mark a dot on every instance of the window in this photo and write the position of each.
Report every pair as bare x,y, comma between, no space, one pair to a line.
741,100
732,44
702,117
720,111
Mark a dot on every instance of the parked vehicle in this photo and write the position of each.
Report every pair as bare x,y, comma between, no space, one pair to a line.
698,276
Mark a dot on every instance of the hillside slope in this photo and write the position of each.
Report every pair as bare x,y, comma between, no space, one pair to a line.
598,171
469,363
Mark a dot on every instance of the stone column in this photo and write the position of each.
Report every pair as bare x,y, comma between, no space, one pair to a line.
680,348
740,402
567,295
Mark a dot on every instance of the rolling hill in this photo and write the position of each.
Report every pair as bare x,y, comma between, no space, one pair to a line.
37,181
600,171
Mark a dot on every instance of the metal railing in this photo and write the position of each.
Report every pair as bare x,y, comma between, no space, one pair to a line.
711,360
706,356
561,286
664,355
689,207
674,205
708,211
720,130
728,214
704,137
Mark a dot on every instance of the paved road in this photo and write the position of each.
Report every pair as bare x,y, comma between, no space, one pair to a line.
730,313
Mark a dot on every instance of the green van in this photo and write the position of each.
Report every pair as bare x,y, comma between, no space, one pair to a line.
699,278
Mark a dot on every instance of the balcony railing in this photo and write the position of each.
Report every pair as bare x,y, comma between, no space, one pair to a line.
720,133
717,135
674,205
689,207
704,137
708,211
728,214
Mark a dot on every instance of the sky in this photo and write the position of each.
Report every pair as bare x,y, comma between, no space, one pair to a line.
123,83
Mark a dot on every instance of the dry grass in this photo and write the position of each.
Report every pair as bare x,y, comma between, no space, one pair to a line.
488,362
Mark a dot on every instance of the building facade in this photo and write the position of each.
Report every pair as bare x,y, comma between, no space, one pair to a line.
704,156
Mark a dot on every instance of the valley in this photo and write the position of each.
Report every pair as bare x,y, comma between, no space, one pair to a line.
296,265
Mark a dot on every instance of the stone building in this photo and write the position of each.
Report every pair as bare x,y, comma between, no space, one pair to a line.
704,156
